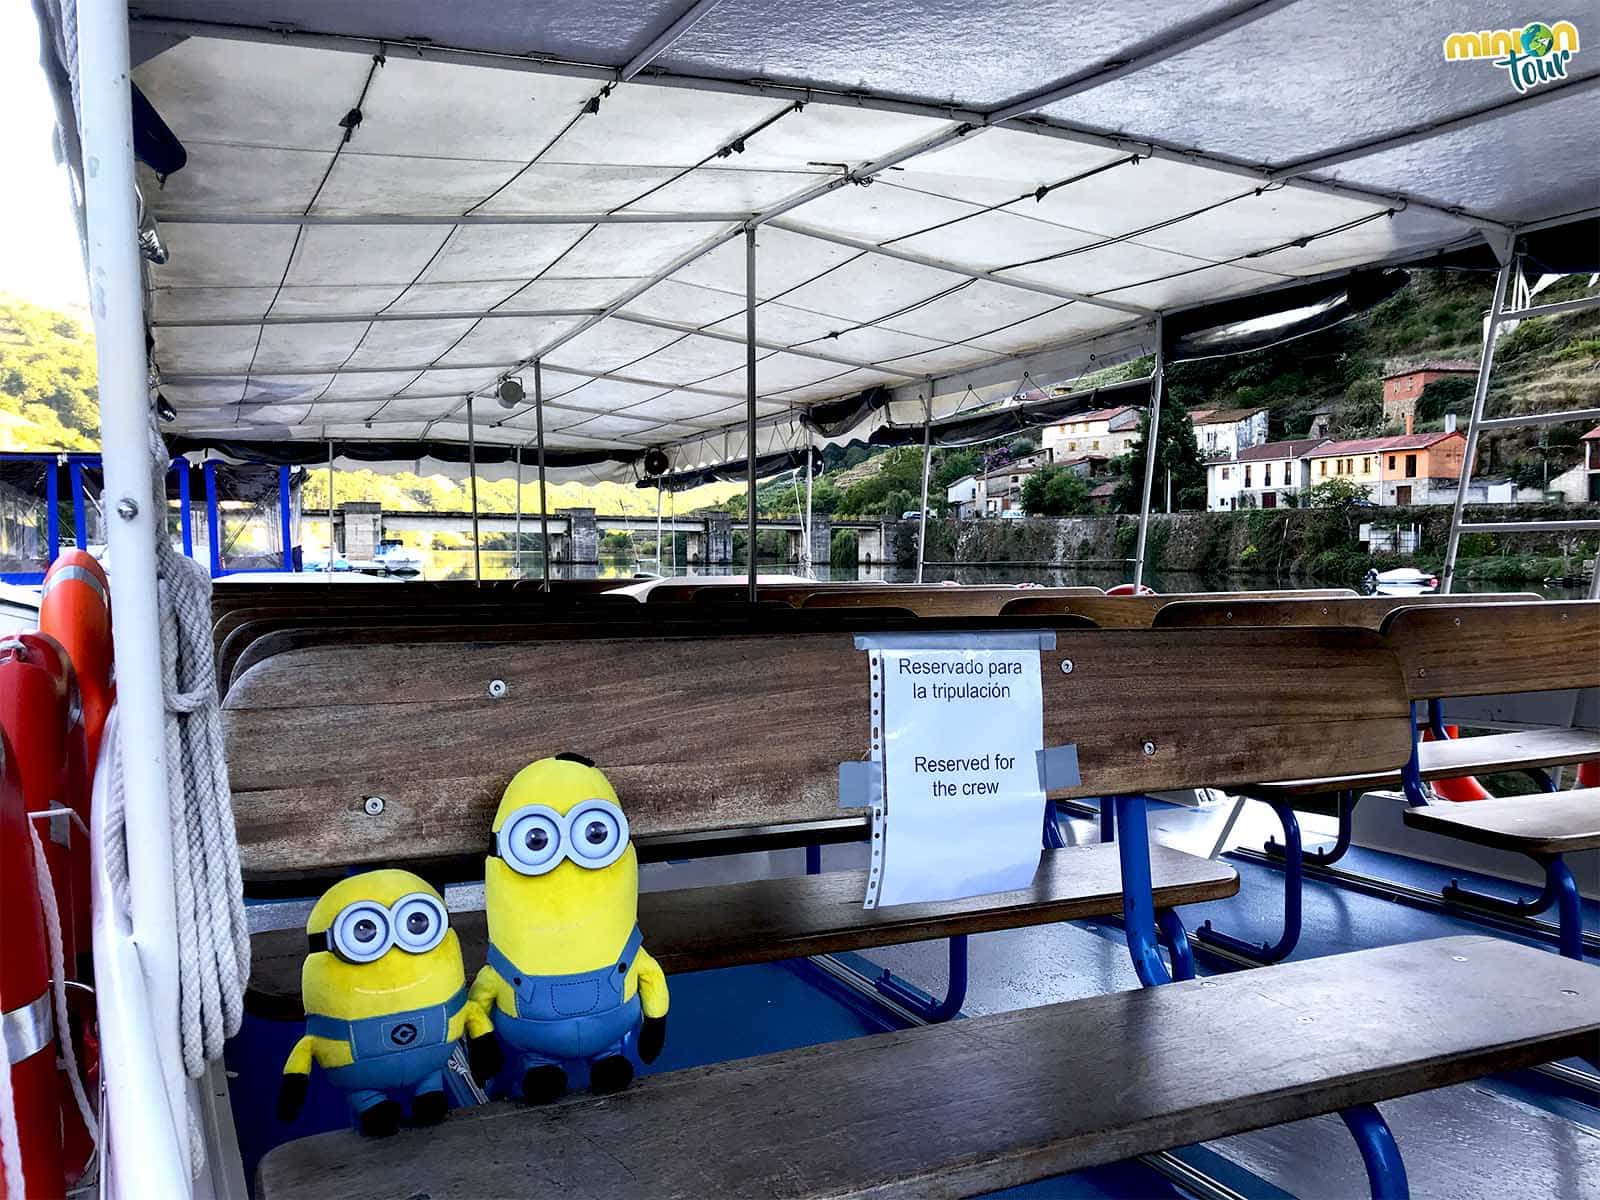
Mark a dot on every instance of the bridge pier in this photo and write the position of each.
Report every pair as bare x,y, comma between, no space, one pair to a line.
719,539
821,540
583,536
871,545
359,529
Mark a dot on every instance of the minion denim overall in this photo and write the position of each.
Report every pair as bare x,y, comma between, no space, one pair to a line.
397,1056
568,1018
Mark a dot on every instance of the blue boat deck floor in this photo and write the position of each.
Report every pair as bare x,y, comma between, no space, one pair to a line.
1523,1136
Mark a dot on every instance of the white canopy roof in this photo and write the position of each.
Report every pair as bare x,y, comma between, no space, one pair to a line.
945,196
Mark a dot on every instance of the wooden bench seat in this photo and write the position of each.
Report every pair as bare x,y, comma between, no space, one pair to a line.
1550,823
997,1101
1483,755
695,929
1363,612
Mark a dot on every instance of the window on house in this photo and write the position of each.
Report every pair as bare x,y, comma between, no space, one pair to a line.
1411,466
1391,462
1096,444
1266,475
1324,465
1366,466
1247,474
1224,474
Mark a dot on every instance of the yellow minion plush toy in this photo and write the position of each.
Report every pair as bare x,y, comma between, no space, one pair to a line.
568,980
386,1002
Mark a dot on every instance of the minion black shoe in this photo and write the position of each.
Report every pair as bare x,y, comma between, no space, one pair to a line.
429,1108
610,1075
381,1120
542,1085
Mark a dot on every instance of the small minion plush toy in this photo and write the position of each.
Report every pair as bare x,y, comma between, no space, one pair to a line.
568,980
386,1002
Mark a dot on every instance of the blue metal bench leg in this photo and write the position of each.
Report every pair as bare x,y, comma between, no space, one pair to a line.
1293,888
1108,818
919,1002
1341,844
1569,905
1386,1173
1411,773
1145,927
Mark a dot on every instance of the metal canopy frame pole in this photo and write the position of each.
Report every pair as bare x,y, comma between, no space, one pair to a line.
658,527
213,518
516,551
472,488
111,232
750,401
330,510
1480,393
810,561
1152,437
285,524
544,503
927,458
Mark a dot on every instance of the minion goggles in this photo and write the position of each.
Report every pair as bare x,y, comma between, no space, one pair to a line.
365,930
534,839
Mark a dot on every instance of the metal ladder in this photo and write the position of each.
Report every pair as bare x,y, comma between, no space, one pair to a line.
1511,273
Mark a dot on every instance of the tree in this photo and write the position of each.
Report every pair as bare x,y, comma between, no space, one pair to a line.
47,378
1360,413
954,465
1339,493
898,502
1449,395
1056,492
1177,455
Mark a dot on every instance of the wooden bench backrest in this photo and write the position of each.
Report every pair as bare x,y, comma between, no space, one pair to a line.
726,731
937,601
1137,612
1450,650
1362,612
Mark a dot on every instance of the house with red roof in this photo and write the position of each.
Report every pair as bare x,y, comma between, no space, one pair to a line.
1263,476
1410,468
1107,431
1402,387
1591,462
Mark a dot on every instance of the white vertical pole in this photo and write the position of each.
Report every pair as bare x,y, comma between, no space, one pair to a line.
516,557
805,532
1152,434
927,452
472,490
544,500
116,298
658,527
750,400
330,512
1491,334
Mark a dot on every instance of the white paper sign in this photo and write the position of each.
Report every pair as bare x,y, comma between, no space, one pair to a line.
957,731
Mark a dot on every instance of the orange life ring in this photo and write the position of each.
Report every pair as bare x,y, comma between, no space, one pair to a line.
25,997
76,611
1589,774
1128,589
1465,787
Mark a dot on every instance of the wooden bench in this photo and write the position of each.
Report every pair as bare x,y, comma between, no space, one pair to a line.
1364,612
938,601
998,1101
1139,612
1464,649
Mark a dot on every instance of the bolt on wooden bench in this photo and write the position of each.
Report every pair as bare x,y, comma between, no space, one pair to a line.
997,1101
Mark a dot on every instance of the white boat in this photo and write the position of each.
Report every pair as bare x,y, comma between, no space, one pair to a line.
396,559
1401,581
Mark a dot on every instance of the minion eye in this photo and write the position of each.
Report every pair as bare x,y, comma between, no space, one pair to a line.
531,840
599,833
362,933
420,923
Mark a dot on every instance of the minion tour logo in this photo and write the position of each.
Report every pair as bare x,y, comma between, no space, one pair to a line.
1535,54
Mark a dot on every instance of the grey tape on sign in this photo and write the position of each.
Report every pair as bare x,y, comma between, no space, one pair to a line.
860,783
1058,767
1002,639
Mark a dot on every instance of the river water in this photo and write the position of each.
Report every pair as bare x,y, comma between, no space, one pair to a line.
503,564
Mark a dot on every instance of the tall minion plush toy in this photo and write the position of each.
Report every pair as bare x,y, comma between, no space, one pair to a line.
386,1002
568,980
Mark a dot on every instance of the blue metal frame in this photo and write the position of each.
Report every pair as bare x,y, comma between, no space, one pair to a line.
1386,1172
1321,857
1411,773
185,518
52,519
919,1002
213,526
285,530
80,522
1293,890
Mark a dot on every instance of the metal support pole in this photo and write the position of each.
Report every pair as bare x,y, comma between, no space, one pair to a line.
1386,1173
214,519
810,562
1479,394
52,515
159,1142
185,517
927,458
80,517
1152,435
516,549
750,401
472,491
330,510
544,502
285,526
658,527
